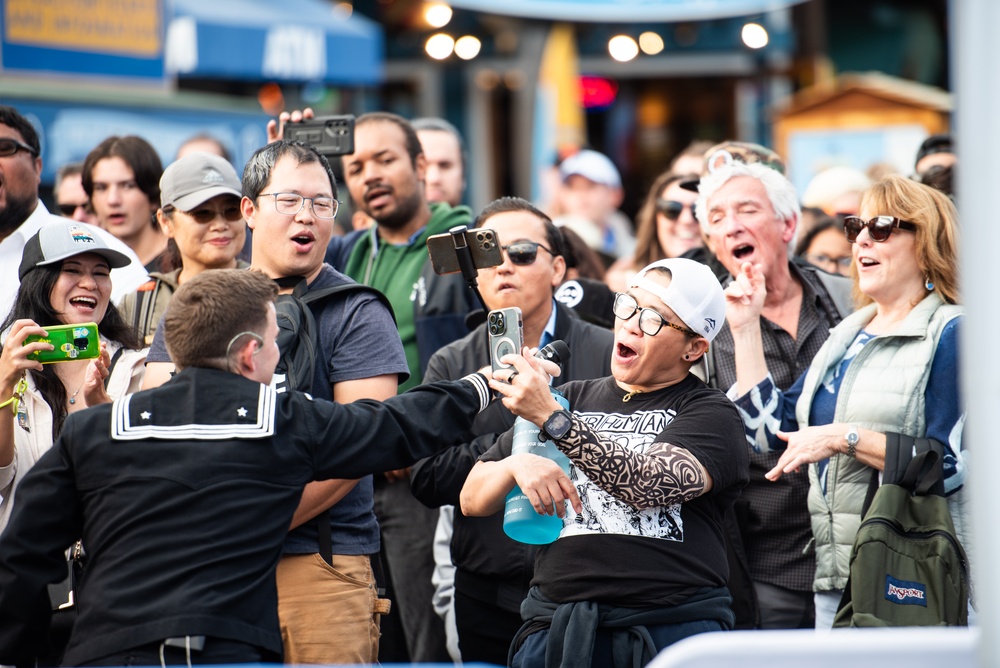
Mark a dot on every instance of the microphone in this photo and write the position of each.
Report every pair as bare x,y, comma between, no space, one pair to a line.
556,351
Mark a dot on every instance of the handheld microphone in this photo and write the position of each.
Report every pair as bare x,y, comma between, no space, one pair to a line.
556,351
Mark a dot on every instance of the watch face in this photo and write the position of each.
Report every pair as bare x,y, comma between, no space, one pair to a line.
558,424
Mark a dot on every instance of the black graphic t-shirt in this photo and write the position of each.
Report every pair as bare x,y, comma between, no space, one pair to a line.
614,553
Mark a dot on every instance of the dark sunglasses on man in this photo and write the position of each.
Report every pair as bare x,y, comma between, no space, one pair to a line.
879,227
672,209
69,210
524,253
9,147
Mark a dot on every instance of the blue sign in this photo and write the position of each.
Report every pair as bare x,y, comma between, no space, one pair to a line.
625,11
68,131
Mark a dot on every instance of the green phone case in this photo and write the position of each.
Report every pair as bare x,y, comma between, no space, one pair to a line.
72,342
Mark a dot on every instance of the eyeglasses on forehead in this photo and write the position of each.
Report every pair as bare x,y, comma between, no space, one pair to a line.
524,252
879,227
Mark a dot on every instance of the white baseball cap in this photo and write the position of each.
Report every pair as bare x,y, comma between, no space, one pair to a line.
592,166
694,294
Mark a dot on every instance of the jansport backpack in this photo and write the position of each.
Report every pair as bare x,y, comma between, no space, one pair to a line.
908,567
298,335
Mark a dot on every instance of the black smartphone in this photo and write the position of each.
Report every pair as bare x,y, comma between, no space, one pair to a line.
482,244
506,333
331,135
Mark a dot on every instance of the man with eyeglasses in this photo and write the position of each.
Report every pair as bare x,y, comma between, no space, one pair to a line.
493,571
71,198
22,213
640,562
750,212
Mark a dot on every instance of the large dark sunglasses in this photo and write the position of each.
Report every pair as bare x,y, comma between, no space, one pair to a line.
672,209
524,252
879,227
9,147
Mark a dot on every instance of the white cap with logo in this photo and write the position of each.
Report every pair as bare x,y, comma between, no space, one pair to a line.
694,294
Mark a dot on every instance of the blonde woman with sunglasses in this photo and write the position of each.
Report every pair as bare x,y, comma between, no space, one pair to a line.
887,375
201,217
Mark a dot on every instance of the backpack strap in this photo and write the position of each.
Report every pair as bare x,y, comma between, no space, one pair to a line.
111,366
316,297
145,306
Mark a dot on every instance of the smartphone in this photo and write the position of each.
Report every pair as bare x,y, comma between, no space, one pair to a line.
482,244
72,342
506,335
330,135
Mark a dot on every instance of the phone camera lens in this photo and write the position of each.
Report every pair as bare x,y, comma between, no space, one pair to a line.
81,343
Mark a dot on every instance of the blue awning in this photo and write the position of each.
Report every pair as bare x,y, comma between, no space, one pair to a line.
625,11
260,40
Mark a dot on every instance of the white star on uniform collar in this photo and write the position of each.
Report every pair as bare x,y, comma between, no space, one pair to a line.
242,412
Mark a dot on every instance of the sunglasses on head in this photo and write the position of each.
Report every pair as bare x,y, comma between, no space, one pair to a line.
524,252
672,209
879,227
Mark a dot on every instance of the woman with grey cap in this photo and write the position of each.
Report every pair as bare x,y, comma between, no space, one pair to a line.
65,279
200,214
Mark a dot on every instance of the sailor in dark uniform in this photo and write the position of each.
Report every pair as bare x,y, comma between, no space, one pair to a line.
183,494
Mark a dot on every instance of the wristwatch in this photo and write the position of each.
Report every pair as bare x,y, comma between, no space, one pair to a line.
852,439
558,425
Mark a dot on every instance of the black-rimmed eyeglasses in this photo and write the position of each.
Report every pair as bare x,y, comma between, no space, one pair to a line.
291,203
650,322
879,227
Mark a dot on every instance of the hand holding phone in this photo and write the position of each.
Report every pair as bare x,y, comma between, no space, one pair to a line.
482,244
70,343
506,335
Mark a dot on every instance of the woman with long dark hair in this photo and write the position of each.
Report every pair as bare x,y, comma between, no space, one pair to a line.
65,279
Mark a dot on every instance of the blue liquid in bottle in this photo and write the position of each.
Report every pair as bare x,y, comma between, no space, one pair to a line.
520,521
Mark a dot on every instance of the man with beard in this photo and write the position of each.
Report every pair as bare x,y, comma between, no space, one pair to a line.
22,213
386,178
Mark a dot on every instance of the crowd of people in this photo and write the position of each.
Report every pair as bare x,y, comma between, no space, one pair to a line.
743,360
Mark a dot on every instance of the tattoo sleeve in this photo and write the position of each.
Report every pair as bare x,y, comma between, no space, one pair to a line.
665,475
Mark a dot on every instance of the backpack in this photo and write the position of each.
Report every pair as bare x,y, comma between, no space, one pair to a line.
298,334
908,567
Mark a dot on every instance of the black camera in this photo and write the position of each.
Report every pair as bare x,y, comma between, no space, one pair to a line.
330,135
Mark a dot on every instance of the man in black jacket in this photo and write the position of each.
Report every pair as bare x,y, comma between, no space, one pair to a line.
492,571
183,510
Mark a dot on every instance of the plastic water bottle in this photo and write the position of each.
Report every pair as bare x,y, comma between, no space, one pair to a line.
520,521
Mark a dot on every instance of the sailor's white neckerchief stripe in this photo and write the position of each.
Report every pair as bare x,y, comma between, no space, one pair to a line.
482,389
126,426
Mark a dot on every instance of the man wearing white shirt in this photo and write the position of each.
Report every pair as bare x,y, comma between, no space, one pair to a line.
22,213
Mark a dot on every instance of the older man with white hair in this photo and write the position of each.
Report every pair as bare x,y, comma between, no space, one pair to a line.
750,213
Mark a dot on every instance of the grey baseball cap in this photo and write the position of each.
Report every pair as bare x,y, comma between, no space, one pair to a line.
59,239
197,178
